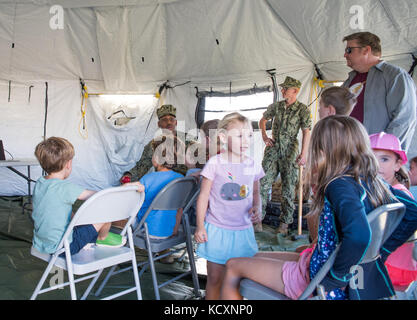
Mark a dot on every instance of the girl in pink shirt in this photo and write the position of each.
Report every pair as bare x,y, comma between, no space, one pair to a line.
401,266
229,202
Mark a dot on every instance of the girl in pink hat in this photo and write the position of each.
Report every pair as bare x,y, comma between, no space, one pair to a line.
401,266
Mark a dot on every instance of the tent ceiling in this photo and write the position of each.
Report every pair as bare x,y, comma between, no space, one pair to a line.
132,44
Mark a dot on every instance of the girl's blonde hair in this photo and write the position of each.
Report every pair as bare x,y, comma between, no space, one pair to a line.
339,147
232,117
340,98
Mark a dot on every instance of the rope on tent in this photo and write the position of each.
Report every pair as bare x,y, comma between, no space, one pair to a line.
10,89
413,66
30,93
46,110
316,84
271,72
84,96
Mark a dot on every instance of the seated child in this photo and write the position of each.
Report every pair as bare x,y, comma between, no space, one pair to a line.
53,198
336,100
347,188
401,266
333,101
210,145
161,223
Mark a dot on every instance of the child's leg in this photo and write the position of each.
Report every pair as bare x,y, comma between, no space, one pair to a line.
119,223
265,271
102,230
278,255
215,275
106,238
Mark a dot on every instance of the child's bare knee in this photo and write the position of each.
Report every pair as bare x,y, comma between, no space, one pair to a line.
232,264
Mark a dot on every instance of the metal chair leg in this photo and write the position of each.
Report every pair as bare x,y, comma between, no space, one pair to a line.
151,263
190,251
134,265
43,278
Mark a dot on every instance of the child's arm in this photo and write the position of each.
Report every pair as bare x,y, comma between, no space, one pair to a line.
406,228
255,211
177,221
200,234
354,232
86,194
141,187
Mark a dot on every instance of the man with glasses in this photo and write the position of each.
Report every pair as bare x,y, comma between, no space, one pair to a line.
281,153
386,93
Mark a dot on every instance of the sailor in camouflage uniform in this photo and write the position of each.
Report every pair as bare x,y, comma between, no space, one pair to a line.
281,153
166,120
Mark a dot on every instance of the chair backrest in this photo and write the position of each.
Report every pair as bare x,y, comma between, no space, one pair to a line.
193,198
176,194
383,221
107,205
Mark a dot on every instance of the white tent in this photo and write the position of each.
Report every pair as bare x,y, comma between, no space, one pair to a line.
136,46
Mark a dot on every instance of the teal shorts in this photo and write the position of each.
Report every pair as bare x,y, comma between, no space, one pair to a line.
224,244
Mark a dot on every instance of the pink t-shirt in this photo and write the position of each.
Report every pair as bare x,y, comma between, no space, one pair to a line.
231,195
402,257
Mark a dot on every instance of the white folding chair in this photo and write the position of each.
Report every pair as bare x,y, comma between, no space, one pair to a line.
382,220
176,194
104,206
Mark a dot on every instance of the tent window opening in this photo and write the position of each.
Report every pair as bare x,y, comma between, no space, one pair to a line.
251,106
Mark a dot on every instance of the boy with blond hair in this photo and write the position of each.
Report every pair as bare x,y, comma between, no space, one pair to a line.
53,198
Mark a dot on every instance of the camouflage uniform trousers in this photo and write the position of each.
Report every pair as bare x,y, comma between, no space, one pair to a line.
273,164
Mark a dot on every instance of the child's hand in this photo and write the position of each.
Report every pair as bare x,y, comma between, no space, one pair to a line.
200,235
255,215
141,187
195,174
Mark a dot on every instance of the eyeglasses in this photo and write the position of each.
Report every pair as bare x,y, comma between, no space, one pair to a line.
348,50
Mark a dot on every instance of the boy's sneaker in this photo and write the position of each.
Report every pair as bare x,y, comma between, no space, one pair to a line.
112,240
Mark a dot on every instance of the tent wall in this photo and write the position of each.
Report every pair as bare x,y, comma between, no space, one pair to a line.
135,46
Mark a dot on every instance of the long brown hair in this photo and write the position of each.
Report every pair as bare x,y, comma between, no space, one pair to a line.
402,175
339,147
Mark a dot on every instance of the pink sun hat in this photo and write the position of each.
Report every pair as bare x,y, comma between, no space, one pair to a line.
386,141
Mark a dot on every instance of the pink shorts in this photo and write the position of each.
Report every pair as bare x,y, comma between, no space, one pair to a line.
296,276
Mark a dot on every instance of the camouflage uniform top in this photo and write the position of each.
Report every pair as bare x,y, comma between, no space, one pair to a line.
287,121
145,162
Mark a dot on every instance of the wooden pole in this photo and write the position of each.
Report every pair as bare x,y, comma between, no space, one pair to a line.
300,202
